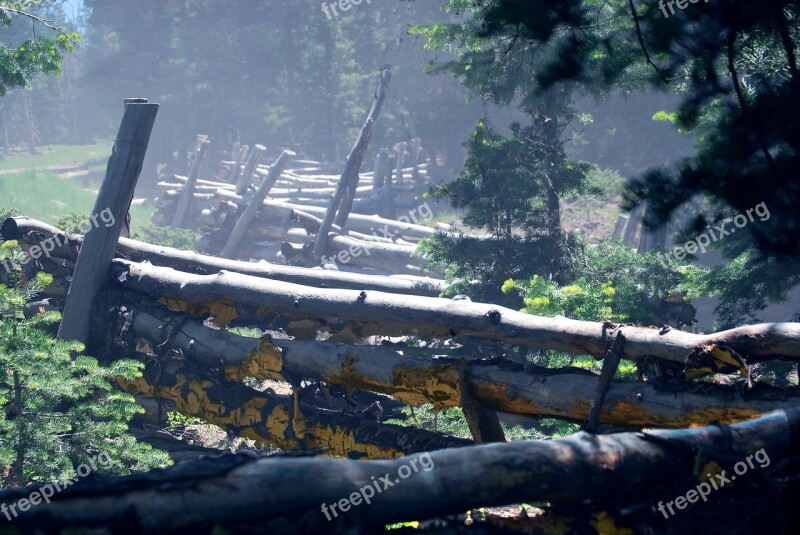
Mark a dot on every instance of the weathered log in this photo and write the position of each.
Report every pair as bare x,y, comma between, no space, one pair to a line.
383,313
312,223
220,398
621,478
365,223
34,232
115,197
255,205
249,168
187,193
341,202
411,375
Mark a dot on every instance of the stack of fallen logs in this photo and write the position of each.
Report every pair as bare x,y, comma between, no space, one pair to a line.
173,309
290,204
165,299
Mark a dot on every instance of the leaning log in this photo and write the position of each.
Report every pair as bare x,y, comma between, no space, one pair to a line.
250,212
369,313
615,482
32,232
342,200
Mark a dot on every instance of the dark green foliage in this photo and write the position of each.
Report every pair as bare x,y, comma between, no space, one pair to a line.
27,52
735,64
502,190
56,411
612,282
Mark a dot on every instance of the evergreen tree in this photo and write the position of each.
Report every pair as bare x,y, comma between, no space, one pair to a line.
503,190
57,412
734,66
510,186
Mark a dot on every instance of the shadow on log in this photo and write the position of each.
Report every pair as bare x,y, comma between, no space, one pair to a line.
609,482
413,376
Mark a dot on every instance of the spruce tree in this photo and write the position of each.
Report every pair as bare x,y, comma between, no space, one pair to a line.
56,411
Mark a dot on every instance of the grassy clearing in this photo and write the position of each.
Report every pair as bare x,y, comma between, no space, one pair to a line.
57,155
43,195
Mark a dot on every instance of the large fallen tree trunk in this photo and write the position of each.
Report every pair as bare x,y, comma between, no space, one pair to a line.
411,375
219,397
32,232
370,313
625,479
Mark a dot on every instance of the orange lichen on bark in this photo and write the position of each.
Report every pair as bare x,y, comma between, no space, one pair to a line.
221,311
263,363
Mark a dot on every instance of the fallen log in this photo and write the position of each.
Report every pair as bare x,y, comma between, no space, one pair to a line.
281,420
370,313
384,227
621,479
412,376
32,232
312,223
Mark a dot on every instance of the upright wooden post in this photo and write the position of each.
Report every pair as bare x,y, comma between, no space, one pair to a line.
258,200
388,196
349,176
379,169
100,242
238,161
633,224
187,195
619,227
249,168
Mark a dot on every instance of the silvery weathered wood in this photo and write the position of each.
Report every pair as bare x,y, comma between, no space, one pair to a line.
115,196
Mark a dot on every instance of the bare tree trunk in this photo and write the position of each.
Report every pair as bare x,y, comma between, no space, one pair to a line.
29,125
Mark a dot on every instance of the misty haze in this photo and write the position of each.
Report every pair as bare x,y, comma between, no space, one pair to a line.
406,266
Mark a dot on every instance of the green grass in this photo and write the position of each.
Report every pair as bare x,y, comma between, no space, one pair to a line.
44,196
61,155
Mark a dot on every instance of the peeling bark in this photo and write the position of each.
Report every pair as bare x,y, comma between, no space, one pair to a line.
370,313
218,396
412,376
